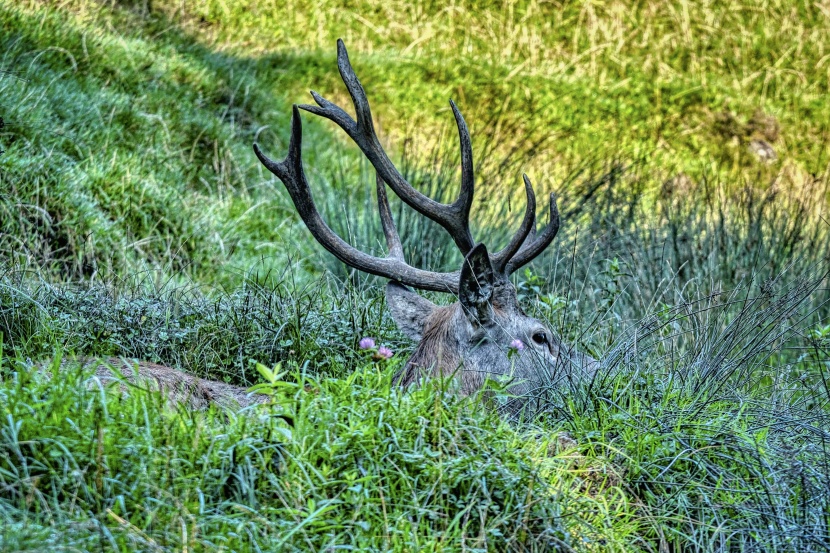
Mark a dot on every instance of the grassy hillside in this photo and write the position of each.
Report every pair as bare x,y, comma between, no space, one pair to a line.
688,146
127,133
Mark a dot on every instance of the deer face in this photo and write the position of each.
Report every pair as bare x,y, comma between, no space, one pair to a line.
474,334
484,335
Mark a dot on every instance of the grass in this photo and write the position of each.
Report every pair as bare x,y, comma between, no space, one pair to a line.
707,406
349,463
659,450
316,326
136,181
135,222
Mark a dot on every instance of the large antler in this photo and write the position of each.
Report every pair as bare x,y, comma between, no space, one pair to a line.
290,172
454,217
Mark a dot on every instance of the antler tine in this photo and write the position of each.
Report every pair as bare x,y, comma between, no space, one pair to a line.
453,217
393,241
465,197
502,258
536,244
290,172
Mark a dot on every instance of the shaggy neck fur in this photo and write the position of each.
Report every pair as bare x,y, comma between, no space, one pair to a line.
436,353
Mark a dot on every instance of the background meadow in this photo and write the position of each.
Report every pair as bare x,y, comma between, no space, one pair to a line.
688,148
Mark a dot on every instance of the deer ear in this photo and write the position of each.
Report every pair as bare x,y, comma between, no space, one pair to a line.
409,310
475,289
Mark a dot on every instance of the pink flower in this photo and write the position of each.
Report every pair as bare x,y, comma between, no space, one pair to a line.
384,352
366,343
517,344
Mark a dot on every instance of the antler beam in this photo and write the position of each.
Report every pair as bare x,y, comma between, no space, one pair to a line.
290,172
454,217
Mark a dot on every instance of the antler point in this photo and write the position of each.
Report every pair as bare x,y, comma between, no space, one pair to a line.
342,53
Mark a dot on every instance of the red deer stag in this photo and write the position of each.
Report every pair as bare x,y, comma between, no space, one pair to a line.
474,335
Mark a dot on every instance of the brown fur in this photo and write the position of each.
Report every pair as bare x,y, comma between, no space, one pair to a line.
437,354
179,387
433,356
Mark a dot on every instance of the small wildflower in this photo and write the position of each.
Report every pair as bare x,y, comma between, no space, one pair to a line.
366,343
384,352
517,344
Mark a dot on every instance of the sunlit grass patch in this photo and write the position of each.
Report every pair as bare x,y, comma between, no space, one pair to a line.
139,123
349,462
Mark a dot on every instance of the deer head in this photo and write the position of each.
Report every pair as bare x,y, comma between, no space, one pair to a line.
476,334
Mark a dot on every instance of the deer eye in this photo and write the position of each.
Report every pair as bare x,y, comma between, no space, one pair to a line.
540,338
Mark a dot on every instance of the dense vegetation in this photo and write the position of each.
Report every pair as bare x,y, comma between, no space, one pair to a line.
688,146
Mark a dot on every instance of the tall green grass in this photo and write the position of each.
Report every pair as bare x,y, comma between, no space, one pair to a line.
315,326
135,222
708,416
351,463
